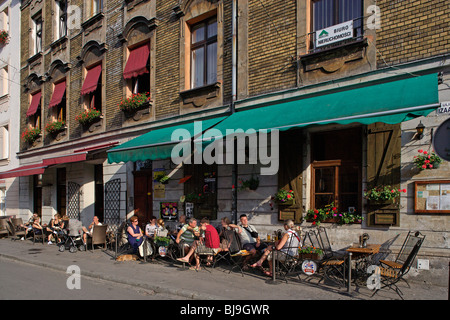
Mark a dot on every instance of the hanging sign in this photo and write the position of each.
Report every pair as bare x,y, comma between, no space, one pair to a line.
309,267
334,34
444,109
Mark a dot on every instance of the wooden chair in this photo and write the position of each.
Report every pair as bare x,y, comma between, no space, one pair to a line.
16,229
392,272
99,236
4,229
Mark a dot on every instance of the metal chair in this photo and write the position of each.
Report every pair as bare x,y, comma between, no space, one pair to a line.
392,272
287,264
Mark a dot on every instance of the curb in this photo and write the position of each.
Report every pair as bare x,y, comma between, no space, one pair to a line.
189,294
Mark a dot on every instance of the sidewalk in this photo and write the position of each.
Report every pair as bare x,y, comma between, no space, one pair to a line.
171,278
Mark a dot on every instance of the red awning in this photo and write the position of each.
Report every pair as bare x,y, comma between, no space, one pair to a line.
23,171
69,158
58,94
91,80
35,102
137,62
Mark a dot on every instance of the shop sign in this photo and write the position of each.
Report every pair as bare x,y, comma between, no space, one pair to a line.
444,109
333,34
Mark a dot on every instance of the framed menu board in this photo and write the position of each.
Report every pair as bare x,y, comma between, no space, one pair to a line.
432,196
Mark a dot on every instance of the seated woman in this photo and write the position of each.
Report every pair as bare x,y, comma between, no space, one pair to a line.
288,245
134,234
36,225
57,224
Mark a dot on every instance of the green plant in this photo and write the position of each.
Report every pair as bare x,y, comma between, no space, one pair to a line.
319,215
284,195
427,160
55,126
251,183
87,116
347,217
30,134
134,102
4,36
310,250
162,241
382,193
194,197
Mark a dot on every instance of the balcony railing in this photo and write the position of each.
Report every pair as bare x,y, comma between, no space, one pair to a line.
358,32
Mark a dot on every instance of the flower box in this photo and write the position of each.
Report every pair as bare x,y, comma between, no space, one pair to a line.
310,256
88,116
4,37
426,160
134,103
55,127
30,135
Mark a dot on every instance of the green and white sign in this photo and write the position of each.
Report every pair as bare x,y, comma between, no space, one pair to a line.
334,34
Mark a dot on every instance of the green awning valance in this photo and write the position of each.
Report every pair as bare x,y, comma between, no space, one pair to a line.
390,102
158,143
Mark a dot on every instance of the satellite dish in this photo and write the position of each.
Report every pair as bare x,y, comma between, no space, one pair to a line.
441,140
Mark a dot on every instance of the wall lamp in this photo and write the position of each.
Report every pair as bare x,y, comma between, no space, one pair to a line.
420,128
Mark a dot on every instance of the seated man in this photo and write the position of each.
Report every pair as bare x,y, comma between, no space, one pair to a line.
210,246
188,233
151,227
250,239
29,224
87,232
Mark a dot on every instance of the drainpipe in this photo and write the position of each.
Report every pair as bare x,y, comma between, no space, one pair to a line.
234,173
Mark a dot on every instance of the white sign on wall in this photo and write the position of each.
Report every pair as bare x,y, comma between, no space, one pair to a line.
334,33
444,109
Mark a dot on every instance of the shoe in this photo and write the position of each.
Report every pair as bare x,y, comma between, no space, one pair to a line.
22,238
49,242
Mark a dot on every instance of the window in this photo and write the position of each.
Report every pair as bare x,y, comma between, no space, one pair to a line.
204,53
2,201
96,6
34,111
61,16
4,142
58,101
336,169
37,33
137,69
92,88
4,81
328,13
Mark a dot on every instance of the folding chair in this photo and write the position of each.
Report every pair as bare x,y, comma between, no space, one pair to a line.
333,264
237,254
287,264
393,271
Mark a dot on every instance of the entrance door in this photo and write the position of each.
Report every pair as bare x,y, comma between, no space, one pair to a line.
143,197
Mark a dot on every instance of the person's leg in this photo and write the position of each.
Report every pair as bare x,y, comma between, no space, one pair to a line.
263,258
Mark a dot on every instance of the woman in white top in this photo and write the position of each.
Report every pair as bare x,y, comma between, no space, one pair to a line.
288,245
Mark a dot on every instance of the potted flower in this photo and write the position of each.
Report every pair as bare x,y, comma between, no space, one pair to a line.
348,217
55,127
251,184
310,253
31,134
285,197
317,216
426,160
383,194
4,37
88,116
135,102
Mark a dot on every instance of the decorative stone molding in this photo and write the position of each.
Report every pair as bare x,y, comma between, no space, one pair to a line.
198,97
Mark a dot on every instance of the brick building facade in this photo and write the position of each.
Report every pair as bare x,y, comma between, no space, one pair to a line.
268,55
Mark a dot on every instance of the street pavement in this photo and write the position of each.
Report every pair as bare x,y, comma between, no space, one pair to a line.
165,277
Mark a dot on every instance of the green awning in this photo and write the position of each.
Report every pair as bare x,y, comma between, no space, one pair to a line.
158,143
389,102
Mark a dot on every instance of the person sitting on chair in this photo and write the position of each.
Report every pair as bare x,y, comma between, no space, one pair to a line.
57,224
250,239
210,246
29,224
89,232
288,245
151,227
134,234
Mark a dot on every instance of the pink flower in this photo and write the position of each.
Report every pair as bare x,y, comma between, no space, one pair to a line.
424,166
420,150
431,166
425,152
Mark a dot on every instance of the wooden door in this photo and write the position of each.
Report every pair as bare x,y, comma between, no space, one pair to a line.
143,197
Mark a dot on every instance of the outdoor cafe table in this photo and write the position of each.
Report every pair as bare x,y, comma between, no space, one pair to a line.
361,255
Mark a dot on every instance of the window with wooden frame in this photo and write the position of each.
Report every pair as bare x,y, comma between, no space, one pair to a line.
96,6
327,13
34,111
58,103
336,169
204,52
92,88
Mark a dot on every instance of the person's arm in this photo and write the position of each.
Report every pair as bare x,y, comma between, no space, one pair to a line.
235,226
179,235
282,242
131,232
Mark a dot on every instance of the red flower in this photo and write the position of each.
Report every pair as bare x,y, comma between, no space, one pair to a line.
316,211
404,190
420,150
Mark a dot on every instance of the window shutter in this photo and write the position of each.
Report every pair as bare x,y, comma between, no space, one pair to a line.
290,173
383,168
